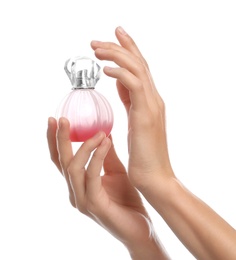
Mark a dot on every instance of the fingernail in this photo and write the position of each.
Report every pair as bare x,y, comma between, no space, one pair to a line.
95,42
121,30
61,122
49,120
107,68
100,50
99,135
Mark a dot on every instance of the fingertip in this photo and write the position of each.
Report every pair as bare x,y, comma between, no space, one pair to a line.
121,30
94,44
63,129
51,120
107,69
63,122
99,135
98,53
103,148
106,142
52,126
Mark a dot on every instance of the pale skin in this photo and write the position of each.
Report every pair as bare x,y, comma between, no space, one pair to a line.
113,196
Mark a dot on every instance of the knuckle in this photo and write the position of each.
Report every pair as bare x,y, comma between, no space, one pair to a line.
139,86
92,207
82,209
70,170
54,158
72,201
87,147
141,67
162,105
122,71
98,156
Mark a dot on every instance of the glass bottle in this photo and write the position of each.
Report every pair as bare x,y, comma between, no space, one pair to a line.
87,110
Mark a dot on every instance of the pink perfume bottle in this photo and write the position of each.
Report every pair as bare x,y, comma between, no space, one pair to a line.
87,110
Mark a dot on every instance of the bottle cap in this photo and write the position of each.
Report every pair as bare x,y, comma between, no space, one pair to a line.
83,72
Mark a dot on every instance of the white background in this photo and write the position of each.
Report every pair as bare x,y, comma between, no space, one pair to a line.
190,47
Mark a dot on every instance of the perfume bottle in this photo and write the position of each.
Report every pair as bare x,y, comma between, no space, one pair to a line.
87,110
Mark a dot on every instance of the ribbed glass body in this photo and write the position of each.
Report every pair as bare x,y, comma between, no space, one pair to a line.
88,112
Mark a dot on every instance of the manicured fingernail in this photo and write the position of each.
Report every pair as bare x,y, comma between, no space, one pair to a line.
100,50
121,30
99,135
107,68
95,42
62,122
50,120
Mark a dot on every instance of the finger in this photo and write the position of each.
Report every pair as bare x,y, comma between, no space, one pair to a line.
64,144
123,92
113,46
52,143
124,95
133,84
128,63
76,170
108,45
112,163
123,60
93,178
128,43
129,49
65,152
128,46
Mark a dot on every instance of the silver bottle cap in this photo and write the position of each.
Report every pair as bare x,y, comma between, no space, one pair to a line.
83,72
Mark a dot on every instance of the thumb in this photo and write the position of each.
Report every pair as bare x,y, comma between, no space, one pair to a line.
124,95
93,177
112,163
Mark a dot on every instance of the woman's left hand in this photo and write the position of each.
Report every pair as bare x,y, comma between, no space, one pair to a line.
108,199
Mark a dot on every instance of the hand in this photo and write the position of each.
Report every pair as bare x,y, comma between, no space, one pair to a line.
194,222
110,200
147,145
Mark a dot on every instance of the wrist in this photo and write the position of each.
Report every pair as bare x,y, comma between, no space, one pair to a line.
150,250
160,189
158,183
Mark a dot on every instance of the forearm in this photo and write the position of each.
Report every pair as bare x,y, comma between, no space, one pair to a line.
201,230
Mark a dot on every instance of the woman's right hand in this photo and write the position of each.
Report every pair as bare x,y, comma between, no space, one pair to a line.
147,144
193,221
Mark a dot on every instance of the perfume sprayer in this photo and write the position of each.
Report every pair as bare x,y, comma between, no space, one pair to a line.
87,110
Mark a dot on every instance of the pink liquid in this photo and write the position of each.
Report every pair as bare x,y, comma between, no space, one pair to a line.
77,135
